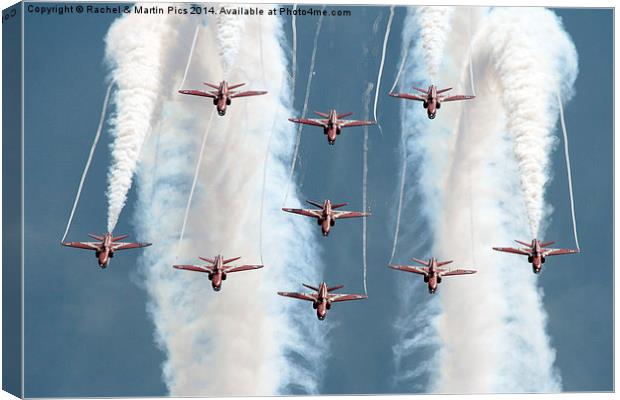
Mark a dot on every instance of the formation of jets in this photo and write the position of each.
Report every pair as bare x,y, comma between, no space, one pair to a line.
218,268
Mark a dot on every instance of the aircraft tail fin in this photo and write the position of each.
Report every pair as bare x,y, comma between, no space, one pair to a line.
96,237
314,203
339,116
311,287
425,263
443,90
320,114
331,289
523,243
546,244
334,206
121,237
439,264
235,86
230,260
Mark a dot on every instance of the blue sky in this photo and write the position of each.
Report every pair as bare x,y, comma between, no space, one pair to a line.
87,330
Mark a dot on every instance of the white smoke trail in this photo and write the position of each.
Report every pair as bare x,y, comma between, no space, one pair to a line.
88,161
133,49
401,195
403,59
434,23
307,96
528,75
378,85
189,57
244,340
229,31
568,172
366,101
473,321
205,135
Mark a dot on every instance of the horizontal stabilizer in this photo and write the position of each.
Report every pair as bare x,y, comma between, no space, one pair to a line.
425,263
235,86
121,237
331,289
524,243
314,203
334,206
420,90
211,85
209,260
310,287
439,264
444,90
546,244
344,115
231,260
321,114
96,237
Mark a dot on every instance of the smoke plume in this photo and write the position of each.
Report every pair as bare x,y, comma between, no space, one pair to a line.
134,45
434,24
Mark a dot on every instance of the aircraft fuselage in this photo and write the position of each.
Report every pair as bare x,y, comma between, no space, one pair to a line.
218,275
431,104
326,221
322,304
105,253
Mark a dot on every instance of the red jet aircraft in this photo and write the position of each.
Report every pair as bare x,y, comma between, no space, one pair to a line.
326,216
105,247
536,252
218,269
431,98
332,124
223,94
323,299
431,271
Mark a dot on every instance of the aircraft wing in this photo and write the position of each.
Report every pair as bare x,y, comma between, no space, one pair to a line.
124,246
511,250
82,245
455,98
348,214
354,122
196,268
557,252
243,268
248,93
300,296
334,298
408,96
309,121
459,272
198,93
410,268
307,213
